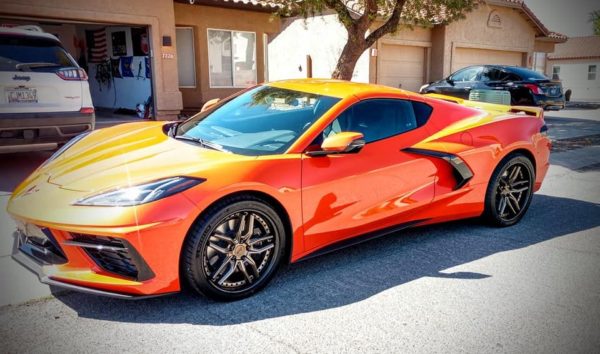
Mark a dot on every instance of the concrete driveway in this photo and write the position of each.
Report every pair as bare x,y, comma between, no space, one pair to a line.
457,287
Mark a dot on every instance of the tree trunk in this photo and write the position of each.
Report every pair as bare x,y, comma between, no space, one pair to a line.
347,61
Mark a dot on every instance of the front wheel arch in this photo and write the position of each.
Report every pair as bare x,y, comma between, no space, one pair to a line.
264,197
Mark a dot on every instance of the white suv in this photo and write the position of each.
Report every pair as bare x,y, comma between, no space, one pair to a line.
44,95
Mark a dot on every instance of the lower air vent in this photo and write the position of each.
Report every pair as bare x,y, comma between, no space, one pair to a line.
113,255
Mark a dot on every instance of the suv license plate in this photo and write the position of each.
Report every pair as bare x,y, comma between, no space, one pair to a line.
21,95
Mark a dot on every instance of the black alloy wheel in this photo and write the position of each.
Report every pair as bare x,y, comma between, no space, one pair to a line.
510,191
234,249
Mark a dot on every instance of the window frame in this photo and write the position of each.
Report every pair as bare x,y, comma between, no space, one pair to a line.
556,72
193,56
594,72
480,69
210,84
366,100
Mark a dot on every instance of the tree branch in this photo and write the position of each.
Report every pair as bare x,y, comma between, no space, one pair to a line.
390,25
342,11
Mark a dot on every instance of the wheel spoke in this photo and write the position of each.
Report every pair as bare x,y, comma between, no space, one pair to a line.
516,202
260,250
242,267
221,236
252,265
514,174
518,183
249,229
218,248
502,206
509,202
230,271
260,239
520,190
222,267
240,228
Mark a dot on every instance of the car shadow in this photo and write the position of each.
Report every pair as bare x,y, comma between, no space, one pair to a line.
356,273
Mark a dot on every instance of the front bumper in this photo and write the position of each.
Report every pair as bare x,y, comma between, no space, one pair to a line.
36,268
62,262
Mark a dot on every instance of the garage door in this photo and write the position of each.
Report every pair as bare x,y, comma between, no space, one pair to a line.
401,66
471,56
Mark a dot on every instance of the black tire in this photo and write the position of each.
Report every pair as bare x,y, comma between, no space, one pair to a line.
224,261
510,190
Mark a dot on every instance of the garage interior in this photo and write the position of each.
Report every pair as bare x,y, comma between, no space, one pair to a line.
116,58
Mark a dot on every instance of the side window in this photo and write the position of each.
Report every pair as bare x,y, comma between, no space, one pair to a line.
467,74
491,74
379,119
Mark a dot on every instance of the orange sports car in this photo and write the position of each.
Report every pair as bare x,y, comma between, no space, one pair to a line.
277,173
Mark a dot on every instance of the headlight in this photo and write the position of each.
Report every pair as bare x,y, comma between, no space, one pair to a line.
65,147
142,193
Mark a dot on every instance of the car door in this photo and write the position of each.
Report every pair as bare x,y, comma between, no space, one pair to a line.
462,81
346,195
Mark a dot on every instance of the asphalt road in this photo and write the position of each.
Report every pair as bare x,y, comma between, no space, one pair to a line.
457,287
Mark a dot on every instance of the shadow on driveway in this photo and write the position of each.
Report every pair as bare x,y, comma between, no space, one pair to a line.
356,273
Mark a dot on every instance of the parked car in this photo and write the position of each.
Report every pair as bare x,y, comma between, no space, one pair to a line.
45,97
526,87
277,173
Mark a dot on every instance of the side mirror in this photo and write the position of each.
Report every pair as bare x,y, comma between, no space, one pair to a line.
209,104
450,81
340,143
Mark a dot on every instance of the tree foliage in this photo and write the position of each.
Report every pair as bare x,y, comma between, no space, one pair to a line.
595,20
368,20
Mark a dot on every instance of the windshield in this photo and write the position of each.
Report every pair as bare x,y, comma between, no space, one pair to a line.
43,54
262,121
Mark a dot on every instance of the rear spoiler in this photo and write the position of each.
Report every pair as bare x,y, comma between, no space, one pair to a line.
530,111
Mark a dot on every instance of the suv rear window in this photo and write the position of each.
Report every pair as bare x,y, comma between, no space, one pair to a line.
16,50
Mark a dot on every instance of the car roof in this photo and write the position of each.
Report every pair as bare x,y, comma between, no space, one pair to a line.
29,31
336,88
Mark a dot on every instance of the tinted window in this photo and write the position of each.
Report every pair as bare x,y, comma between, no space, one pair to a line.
527,74
263,120
496,74
467,74
16,50
379,119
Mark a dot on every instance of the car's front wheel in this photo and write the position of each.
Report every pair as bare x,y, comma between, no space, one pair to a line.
234,248
510,191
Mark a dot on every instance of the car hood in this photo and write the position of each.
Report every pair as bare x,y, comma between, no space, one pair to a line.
130,154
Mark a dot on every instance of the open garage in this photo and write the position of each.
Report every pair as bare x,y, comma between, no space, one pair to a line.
127,49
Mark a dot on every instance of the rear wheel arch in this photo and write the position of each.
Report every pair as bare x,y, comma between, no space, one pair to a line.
521,151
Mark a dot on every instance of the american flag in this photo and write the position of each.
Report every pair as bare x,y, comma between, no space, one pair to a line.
96,44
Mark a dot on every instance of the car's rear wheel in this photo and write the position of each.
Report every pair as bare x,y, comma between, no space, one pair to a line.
510,191
234,248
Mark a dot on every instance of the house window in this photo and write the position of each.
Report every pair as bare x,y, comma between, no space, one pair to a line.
231,58
592,72
556,73
186,61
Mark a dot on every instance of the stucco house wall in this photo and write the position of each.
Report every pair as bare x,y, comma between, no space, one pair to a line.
574,76
514,34
201,18
321,37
